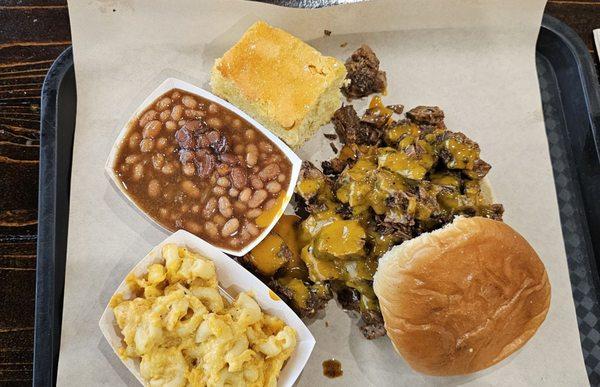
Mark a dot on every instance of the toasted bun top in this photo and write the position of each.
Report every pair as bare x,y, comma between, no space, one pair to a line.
460,299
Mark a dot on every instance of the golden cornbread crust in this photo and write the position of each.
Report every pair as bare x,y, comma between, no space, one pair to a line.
283,82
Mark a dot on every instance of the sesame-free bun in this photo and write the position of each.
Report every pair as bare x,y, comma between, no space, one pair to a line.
462,298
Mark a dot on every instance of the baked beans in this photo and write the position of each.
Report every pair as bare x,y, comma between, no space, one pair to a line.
193,164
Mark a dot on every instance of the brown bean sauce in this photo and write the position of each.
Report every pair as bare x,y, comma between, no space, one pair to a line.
192,164
332,368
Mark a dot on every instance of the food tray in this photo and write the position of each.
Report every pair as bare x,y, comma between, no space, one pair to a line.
571,102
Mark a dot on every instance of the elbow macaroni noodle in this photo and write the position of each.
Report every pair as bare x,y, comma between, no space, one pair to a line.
186,334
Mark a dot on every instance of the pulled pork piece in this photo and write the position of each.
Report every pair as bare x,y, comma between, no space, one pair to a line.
363,74
352,130
306,300
426,115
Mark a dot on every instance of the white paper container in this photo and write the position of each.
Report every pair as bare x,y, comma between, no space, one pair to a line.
173,83
233,278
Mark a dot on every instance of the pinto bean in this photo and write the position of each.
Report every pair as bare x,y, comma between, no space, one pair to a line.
269,204
273,187
189,102
189,169
161,143
223,182
257,198
147,117
228,158
164,103
223,169
158,160
134,140
192,227
213,108
164,115
132,159
211,229
239,149
265,147
238,178
269,172
251,228
225,207
230,227
253,213
177,113
218,190
146,145
252,158
209,207
215,123
245,195
219,220
152,129
256,182
239,207
190,188
138,171
153,188
168,169
171,126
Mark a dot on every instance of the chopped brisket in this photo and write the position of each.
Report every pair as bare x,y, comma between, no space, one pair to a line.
426,115
352,130
364,74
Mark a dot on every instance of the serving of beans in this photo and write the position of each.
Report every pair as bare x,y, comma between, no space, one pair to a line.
192,164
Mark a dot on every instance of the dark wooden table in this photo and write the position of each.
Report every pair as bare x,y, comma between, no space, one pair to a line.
32,34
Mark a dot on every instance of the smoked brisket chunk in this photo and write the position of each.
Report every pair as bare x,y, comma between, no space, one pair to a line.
352,130
363,74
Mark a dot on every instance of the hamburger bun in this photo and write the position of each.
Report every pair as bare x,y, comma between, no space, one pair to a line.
462,298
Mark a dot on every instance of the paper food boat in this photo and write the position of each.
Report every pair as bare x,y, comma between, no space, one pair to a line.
173,83
233,278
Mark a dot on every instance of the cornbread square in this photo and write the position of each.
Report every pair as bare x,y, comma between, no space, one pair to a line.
285,84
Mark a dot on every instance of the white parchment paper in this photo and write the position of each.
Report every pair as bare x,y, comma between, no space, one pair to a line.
473,58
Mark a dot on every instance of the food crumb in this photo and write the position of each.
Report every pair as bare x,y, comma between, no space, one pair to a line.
327,32
330,136
344,44
333,147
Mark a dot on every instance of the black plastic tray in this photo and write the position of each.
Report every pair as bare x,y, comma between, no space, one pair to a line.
571,102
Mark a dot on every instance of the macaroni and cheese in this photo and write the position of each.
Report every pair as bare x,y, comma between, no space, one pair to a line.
186,334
